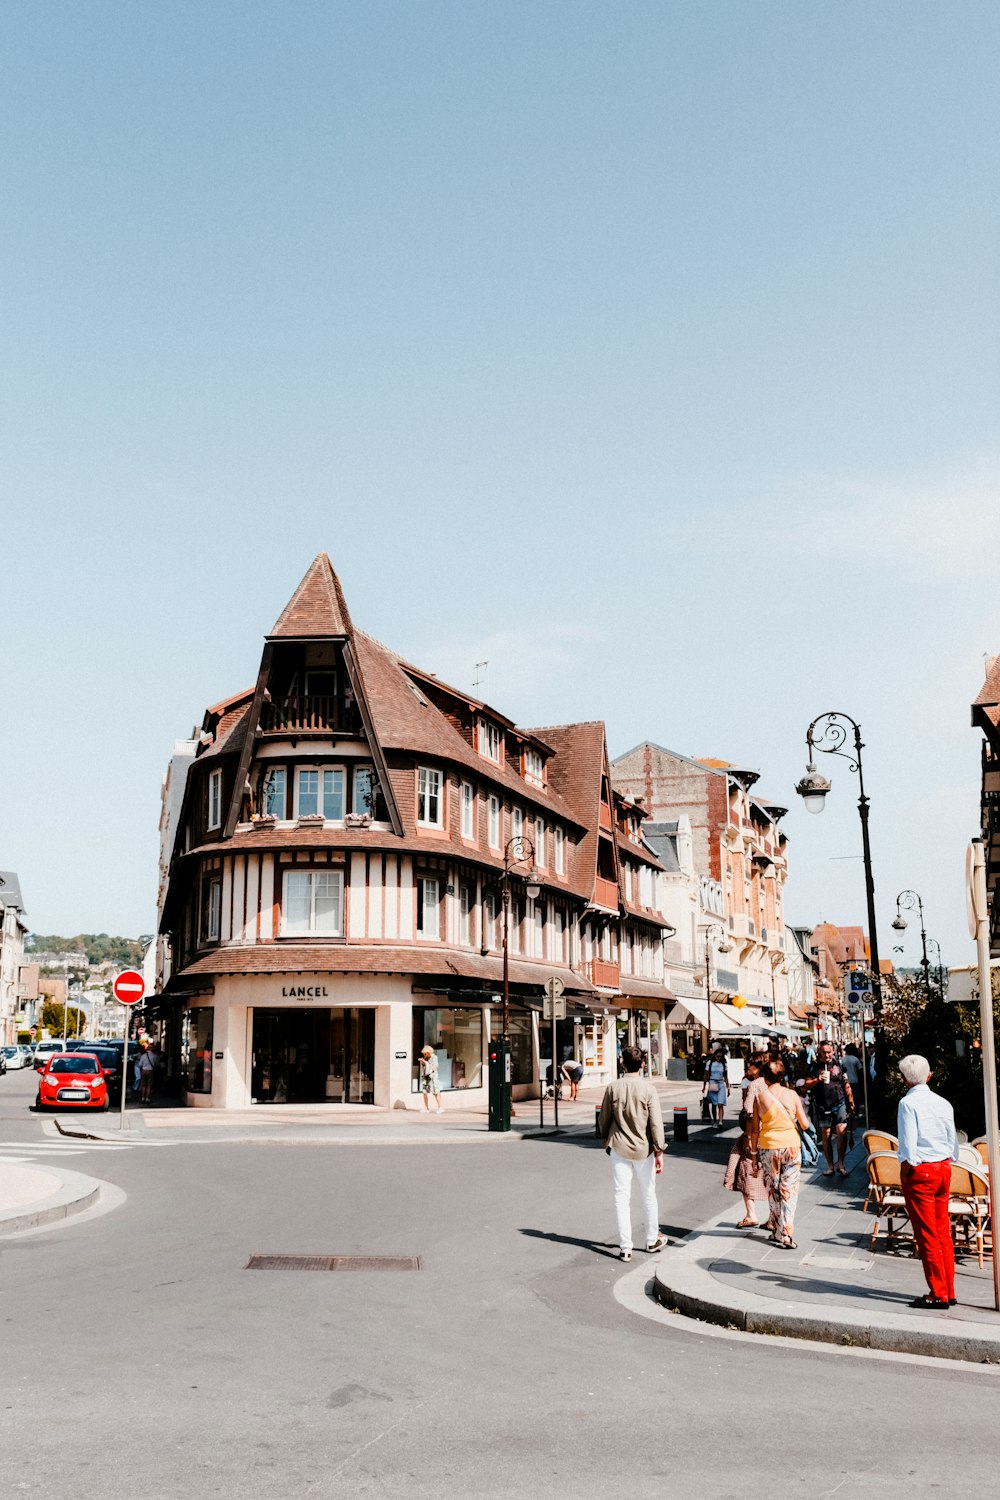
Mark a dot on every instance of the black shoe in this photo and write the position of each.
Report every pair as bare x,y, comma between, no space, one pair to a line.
931,1302
952,1301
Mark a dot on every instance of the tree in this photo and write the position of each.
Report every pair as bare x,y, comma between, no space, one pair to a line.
946,1034
53,1016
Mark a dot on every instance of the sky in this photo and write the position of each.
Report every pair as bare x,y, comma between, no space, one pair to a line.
646,351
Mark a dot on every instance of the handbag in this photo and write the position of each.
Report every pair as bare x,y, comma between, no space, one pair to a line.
706,1108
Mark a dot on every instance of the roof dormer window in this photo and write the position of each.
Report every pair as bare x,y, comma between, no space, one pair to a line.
534,768
489,741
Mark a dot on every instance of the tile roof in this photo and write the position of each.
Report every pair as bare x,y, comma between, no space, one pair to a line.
575,772
347,958
317,608
662,839
988,701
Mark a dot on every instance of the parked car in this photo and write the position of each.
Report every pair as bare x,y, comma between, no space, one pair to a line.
45,1050
3,1060
13,1057
72,1080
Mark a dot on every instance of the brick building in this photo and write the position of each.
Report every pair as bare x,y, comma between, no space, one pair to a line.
738,857
331,895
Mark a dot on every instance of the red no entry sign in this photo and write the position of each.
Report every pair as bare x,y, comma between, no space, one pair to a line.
129,987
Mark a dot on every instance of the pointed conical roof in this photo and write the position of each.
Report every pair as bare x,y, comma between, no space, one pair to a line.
317,608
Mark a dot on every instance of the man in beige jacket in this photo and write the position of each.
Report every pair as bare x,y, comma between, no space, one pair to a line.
632,1125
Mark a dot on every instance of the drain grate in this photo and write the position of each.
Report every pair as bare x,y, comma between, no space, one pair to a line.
333,1263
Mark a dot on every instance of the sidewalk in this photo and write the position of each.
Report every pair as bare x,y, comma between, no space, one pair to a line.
833,1288
32,1196
358,1124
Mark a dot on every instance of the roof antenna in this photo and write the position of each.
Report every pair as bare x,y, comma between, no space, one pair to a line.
482,679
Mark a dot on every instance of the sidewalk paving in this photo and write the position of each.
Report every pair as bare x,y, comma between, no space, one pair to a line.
833,1288
356,1124
31,1196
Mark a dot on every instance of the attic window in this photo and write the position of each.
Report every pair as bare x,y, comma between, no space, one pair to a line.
489,740
534,768
416,693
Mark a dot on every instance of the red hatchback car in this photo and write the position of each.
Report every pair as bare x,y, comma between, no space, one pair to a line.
72,1080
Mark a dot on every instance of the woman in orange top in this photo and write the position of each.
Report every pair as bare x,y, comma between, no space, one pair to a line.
774,1136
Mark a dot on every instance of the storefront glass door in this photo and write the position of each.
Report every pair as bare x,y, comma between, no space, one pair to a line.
313,1056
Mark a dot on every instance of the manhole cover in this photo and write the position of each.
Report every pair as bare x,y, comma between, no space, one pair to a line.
333,1263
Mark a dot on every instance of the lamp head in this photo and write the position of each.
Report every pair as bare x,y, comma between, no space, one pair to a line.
813,789
532,886
900,923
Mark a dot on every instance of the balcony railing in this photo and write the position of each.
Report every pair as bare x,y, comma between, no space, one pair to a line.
602,973
606,893
307,714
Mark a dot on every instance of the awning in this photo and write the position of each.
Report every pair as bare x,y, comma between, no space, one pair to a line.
727,1020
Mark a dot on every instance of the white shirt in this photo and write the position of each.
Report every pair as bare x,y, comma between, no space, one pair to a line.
925,1125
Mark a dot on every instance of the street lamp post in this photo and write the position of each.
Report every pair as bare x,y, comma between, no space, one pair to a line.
829,733
713,930
517,851
908,900
933,943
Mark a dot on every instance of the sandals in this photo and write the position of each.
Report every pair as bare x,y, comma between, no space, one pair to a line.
786,1244
747,1224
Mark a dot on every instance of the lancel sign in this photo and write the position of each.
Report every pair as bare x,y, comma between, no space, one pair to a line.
304,992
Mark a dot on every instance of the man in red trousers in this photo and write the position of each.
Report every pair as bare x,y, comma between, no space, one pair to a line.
927,1147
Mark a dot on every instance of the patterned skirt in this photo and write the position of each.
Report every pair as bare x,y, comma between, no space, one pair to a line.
743,1174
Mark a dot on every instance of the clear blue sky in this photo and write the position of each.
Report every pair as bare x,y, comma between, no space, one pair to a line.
649,351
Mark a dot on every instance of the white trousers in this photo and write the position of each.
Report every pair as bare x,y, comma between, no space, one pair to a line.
644,1172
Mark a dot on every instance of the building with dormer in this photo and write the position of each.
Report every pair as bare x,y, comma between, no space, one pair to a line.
331,900
730,940
13,931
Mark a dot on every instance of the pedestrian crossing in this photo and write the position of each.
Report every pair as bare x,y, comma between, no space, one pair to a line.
23,1153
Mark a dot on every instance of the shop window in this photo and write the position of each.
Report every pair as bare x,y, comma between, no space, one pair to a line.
522,1068
196,1050
456,1036
313,903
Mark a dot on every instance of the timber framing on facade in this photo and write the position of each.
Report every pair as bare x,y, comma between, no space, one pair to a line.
342,830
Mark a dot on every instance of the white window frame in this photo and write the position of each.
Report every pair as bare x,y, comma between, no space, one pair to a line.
321,768
215,798
213,914
534,768
540,859
468,810
365,769
430,787
271,771
489,741
494,821
560,855
516,821
465,915
337,875
424,882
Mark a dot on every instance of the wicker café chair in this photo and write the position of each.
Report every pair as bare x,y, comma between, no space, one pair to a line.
885,1193
979,1146
969,1206
968,1156
878,1140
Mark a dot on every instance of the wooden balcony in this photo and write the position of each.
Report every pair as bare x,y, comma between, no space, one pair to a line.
604,817
301,714
602,973
606,893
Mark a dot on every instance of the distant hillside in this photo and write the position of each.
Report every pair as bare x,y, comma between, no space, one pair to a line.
98,946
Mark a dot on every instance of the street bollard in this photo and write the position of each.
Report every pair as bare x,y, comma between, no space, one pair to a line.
680,1122
597,1121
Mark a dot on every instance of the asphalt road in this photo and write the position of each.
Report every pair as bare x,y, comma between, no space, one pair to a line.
140,1358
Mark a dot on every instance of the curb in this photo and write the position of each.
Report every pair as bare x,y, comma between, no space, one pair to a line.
683,1283
75,1196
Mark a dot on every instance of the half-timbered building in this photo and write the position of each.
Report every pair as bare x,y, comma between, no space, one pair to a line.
334,875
